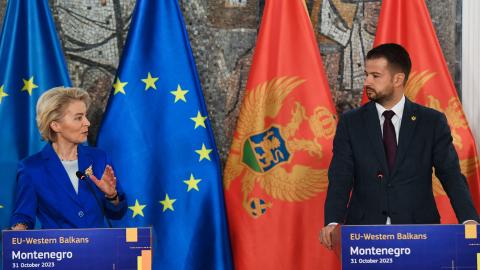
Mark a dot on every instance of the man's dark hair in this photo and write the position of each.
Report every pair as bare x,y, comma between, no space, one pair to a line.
397,57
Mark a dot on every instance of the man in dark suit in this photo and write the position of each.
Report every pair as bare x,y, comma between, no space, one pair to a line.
375,180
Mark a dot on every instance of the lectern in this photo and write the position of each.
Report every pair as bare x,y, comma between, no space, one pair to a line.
91,249
408,247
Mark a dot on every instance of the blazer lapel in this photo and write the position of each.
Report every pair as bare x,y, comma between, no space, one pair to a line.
56,169
372,124
407,128
84,161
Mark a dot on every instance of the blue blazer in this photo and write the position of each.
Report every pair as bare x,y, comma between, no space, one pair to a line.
362,189
44,191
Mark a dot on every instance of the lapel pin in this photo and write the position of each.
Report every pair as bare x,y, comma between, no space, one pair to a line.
414,118
89,171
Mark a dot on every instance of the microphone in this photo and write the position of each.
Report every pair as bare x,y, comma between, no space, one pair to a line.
82,176
380,175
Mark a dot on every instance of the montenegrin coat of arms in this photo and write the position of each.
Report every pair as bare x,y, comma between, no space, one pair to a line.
260,153
455,117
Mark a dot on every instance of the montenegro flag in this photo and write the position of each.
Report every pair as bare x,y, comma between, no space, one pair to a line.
276,173
408,23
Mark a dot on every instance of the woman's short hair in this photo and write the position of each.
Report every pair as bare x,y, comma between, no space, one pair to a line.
52,105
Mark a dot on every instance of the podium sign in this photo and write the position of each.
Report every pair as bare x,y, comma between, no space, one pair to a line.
415,246
77,249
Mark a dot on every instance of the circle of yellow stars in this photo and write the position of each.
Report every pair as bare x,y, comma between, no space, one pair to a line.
150,82
199,121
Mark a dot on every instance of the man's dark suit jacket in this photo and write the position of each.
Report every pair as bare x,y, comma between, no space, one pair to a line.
359,167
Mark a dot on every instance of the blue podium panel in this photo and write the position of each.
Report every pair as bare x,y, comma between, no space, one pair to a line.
72,249
414,246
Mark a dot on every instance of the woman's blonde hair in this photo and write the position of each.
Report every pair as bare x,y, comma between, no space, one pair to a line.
52,105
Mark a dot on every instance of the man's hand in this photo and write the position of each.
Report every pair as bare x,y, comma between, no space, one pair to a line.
470,222
326,236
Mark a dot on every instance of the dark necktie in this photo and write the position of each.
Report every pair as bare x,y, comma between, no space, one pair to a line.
389,139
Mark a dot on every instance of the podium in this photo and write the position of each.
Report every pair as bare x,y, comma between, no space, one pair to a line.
92,249
408,247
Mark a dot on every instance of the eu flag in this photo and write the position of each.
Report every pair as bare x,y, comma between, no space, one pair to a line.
31,62
157,132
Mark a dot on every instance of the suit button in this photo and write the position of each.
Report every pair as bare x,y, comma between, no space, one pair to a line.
81,214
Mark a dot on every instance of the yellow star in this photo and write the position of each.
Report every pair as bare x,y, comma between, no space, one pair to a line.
118,86
137,209
179,94
199,120
150,82
192,183
167,203
28,85
1,206
2,95
204,153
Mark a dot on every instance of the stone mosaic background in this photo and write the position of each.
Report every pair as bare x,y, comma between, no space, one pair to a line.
223,34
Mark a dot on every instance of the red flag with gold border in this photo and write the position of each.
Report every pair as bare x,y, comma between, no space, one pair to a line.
408,23
276,173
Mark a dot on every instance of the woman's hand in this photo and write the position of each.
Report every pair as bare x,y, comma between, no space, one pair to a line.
108,183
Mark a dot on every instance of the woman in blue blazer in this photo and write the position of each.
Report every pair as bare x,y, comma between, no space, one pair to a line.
48,183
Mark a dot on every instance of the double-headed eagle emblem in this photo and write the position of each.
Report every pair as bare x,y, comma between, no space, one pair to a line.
262,153
455,117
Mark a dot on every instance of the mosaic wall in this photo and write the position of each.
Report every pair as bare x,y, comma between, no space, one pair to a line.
223,34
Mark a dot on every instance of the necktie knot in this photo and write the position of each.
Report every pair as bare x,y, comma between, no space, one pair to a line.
388,114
